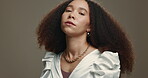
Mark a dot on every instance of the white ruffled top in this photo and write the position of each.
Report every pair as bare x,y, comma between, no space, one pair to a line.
93,65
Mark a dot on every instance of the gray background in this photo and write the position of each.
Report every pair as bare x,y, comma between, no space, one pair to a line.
20,56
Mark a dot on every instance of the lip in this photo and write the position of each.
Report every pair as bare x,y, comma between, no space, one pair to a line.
69,23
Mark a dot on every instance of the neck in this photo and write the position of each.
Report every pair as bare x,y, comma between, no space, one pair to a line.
75,46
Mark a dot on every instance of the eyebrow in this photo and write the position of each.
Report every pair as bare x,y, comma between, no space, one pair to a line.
79,8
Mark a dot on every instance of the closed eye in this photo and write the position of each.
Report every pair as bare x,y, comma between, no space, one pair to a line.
81,13
68,11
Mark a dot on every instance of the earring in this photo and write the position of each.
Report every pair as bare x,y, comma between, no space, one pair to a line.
88,34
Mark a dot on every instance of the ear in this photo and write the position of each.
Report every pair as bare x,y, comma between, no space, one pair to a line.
88,29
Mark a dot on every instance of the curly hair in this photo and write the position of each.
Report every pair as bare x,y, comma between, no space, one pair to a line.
106,34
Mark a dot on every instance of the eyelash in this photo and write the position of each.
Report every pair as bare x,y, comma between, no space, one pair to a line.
71,11
67,10
82,14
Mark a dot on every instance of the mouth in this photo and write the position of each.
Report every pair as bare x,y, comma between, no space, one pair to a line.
69,23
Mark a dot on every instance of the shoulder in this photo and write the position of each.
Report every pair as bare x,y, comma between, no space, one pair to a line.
107,64
47,60
48,56
110,57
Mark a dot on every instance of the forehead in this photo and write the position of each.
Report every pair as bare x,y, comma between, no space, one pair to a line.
79,4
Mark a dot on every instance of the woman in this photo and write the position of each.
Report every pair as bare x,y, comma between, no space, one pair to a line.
83,41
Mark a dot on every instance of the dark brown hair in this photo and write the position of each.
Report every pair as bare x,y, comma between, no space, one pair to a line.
105,34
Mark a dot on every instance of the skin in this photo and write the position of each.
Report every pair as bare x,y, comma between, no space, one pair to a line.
76,12
79,15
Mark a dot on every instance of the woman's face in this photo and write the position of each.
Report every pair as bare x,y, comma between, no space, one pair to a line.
76,19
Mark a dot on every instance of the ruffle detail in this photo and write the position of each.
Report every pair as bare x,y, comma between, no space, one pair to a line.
107,65
47,60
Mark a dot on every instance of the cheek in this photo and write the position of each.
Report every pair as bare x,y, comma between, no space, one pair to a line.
62,22
84,21
64,15
62,18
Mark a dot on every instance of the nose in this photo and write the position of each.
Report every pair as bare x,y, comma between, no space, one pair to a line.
71,15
